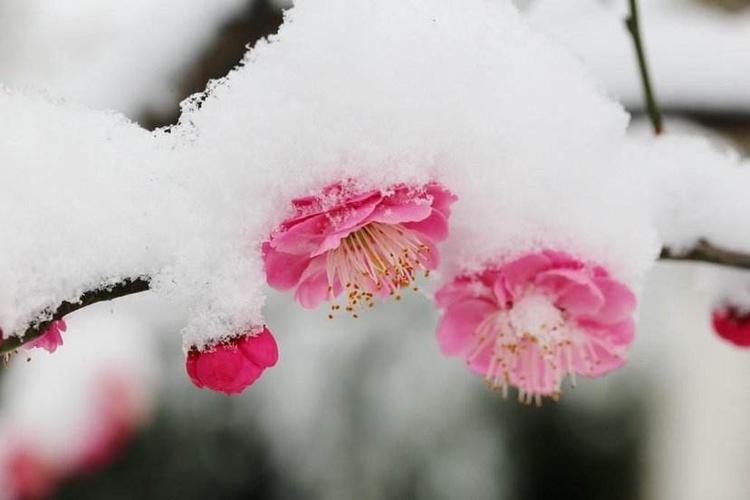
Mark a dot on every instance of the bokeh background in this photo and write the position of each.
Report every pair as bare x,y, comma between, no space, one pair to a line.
368,408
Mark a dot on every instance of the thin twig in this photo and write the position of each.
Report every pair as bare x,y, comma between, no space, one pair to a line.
652,107
121,289
704,251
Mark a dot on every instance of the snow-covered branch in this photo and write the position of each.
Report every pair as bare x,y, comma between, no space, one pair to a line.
121,289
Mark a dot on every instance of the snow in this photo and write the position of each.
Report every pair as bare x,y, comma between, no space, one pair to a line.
498,109
699,189
380,92
106,53
697,54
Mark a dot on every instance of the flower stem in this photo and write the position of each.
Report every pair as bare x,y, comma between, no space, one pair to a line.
652,107
109,292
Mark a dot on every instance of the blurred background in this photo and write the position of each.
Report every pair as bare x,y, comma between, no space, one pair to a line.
370,409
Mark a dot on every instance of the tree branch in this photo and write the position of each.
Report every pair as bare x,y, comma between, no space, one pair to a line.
704,251
121,289
652,107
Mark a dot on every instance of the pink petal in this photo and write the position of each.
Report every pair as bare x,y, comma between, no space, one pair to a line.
458,324
575,291
442,199
51,339
619,301
224,369
261,349
623,333
284,270
461,288
523,270
313,286
562,259
430,258
434,227
503,296
354,213
303,238
396,214
619,334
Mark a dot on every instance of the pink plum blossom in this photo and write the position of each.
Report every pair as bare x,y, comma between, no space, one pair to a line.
51,339
533,320
365,243
732,324
233,365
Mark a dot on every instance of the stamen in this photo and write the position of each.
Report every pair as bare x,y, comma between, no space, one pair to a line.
534,346
377,258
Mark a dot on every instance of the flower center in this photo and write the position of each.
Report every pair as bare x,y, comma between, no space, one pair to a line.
377,259
533,346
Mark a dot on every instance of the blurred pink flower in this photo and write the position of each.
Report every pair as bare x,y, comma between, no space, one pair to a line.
33,471
732,324
366,243
51,339
529,322
30,476
231,366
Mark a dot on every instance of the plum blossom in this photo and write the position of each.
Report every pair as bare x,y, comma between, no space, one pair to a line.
365,243
732,323
51,339
533,320
233,365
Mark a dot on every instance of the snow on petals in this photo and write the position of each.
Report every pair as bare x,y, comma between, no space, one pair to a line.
365,243
529,322
233,365
732,324
51,339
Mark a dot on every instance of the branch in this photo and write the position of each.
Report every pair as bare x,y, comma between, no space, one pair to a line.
704,251
651,106
121,289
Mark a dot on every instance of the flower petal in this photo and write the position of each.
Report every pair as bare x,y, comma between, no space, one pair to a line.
619,301
434,227
522,270
313,286
575,291
284,270
261,349
459,323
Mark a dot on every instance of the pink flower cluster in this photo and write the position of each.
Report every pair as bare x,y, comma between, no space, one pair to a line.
529,322
526,323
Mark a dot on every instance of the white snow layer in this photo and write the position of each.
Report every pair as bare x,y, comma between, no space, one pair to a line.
106,53
378,91
698,55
